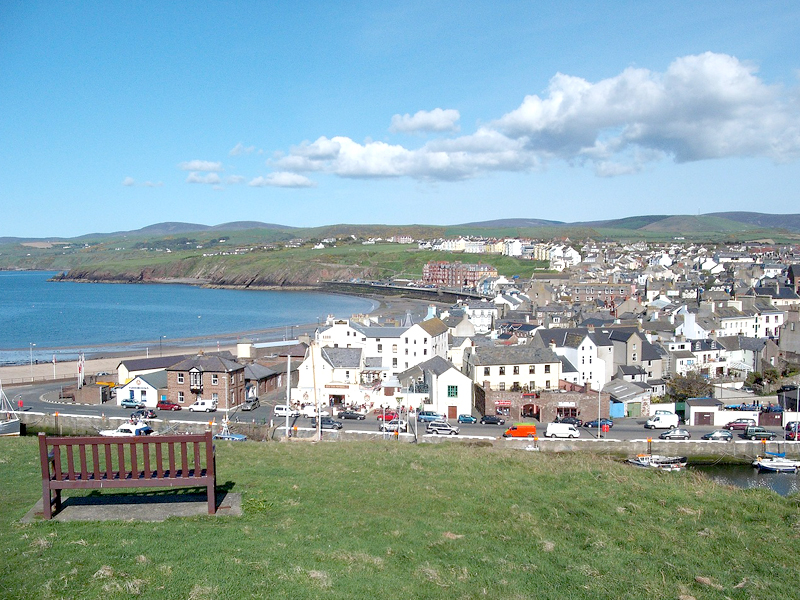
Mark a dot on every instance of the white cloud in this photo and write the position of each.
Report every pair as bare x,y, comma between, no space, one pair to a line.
209,178
200,165
128,182
423,120
233,179
153,184
240,148
282,179
701,107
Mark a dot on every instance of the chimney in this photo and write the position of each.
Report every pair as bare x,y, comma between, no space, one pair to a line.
591,328
553,345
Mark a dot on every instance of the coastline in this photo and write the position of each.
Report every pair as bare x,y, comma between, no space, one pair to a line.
100,360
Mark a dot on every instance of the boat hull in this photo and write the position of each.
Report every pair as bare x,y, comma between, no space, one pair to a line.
10,427
661,463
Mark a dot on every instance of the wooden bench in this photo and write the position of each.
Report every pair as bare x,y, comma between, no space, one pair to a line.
125,462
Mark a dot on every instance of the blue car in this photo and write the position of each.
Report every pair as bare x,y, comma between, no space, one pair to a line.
593,423
131,403
427,416
467,419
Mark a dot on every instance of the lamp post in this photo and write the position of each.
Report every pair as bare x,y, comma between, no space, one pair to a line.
31,345
160,351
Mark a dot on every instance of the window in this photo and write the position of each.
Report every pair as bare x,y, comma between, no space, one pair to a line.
214,379
394,348
180,377
452,391
215,397
180,397
531,370
516,369
380,347
502,370
406,351
547,368
547,384
196,379
394,363
633,357
406,340
486,370
425,352
502,386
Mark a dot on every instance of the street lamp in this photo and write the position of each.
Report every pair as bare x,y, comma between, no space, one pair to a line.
31,349
160,351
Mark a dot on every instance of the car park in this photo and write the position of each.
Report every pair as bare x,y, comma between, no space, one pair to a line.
492,420
675,434
758,433
441,428
251,404
594,423
395,425
719,435
466,419
352,414
131,403
167,405
740,424
428,416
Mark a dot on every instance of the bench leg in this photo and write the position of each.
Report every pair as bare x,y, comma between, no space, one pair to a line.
47,502
212,498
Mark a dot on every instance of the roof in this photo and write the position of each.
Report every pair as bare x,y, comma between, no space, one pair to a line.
703,402
437,365
210,363
342,358
256,371
156,362
509,355
567,366
157,379
433,327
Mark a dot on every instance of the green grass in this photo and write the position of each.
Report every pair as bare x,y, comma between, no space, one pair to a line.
364,520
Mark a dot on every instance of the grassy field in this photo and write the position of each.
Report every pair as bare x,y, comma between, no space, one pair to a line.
365,520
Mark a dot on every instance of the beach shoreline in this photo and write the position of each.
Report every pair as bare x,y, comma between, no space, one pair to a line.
106,359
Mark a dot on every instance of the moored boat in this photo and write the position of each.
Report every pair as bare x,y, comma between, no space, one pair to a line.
129,429
776,463
657,461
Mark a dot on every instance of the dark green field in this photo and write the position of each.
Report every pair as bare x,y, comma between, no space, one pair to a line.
388,520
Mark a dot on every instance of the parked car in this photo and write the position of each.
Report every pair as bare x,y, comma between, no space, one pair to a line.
428,416
675,434
793,435
758,433
203,406
131,403
593,423
281,410
492,420
718,434
441,427
398,425
167,405
251,404
570,421
147,413
791,425
386,416
328,423
466,419
352,414
740,424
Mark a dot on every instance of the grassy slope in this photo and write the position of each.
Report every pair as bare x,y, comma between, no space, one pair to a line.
430,521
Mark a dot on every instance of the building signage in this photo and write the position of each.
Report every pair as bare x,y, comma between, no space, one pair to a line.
337,386
567,404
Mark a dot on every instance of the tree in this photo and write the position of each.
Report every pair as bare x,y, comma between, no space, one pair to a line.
691,385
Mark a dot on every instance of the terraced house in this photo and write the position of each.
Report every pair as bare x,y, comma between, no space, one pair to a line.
513,368
206,377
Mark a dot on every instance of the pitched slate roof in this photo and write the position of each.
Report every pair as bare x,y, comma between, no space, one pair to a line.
342,358
156,362
510,355
434,326
207,363
157,379
256,372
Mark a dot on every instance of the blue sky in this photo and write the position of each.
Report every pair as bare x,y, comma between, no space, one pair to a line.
118,115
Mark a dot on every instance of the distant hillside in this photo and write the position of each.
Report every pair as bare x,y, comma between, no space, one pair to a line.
639,222
790,222
513,223
178,228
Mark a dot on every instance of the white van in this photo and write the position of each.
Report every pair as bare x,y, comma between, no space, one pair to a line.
310,412
662,420
281,410
203,406
562,430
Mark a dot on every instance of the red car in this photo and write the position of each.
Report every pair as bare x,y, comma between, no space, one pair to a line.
166,405
386,416
740,424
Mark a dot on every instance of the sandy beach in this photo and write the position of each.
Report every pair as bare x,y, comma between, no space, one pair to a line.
43,372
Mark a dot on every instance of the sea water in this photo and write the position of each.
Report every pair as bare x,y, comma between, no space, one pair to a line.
41,318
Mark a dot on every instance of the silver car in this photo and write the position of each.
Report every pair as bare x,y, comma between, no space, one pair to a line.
441,427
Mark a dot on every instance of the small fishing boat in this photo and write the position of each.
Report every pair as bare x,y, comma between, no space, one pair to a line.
129,429
225,434
9,420
657,461
776,462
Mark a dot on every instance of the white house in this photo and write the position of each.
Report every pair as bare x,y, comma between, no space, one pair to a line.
148,388
449,391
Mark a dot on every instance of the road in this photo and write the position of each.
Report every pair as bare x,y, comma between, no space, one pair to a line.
623,429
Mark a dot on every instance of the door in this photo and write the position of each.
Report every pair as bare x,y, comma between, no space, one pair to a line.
703,418
452,412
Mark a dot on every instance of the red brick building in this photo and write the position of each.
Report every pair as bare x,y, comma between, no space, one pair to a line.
446,274
206,377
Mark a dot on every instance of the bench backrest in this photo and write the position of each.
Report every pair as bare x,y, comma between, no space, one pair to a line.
84,458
